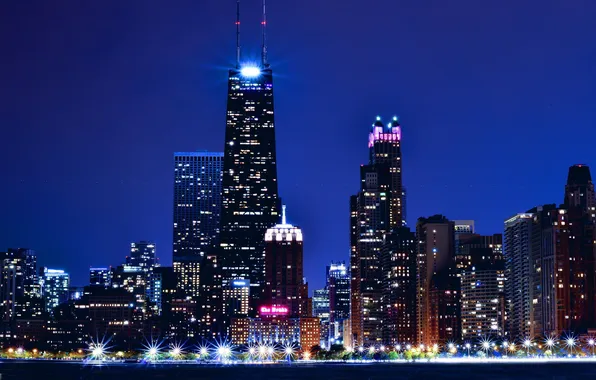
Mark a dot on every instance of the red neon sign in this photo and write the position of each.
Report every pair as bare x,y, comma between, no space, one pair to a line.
273,310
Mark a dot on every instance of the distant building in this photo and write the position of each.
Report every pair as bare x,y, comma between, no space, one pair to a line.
398,260
338,283
483,288
101,277
304,332
284,271
438,288
55,285
236,296
517,252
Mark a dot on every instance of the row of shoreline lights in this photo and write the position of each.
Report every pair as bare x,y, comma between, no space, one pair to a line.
223,350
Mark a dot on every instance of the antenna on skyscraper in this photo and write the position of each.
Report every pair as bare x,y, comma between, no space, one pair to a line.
264,28
237,34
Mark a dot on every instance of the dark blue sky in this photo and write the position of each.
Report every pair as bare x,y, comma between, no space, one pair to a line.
496,99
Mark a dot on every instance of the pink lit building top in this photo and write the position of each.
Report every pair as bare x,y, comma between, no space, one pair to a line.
392,132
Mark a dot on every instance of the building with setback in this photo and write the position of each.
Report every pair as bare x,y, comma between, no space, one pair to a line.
284,269
374,211
250,201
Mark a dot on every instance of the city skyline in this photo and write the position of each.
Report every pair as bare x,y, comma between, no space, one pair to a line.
426,178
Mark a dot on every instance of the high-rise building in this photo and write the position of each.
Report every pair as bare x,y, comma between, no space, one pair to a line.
197,212
284,270
550,280
482,287
197,202
101,277
250,201
398,262
142,254
55,285
18,281
320,303
236,298
519,294
338,284
374,211
463,230
580,202
438,288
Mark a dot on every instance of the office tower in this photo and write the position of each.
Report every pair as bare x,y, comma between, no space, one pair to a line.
197,211
250,201
483,287
142,254
212,322
580,202
550,280
320,303
284,271
133,280
374,211
438,288
236,298
18,282
101,277
463,230
517,252
338,283
55,285
320,310
164,280
398,260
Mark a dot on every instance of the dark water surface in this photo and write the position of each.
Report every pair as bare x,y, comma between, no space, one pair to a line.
22,370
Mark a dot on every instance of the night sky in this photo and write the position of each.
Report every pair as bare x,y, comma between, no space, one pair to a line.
496,100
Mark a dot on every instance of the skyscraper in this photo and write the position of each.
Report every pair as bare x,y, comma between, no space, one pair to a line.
54,287
374,211
398,262
250,202
483,287
517,252
284,269
142,254
197,210
101,277
338,284
580,202
438,288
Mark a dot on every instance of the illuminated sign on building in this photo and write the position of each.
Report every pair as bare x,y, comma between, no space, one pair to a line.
273,310
240,283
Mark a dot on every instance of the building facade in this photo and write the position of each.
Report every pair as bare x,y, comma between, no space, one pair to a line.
284,269
438,287
197,214
482,287
398,260
374,211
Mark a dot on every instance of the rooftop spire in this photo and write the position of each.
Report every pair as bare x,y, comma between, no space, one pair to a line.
264,28
283,214
237,34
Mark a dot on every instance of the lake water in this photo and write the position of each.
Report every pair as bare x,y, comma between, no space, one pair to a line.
22,370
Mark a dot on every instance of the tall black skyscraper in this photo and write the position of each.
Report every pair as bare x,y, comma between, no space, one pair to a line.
250,203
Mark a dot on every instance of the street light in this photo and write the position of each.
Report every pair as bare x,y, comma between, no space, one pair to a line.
591,343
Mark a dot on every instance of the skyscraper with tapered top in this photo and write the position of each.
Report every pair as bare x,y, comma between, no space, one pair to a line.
375,211
250,202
